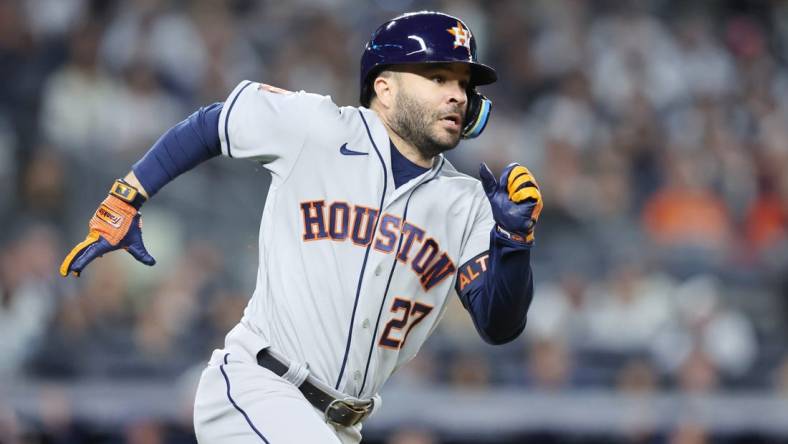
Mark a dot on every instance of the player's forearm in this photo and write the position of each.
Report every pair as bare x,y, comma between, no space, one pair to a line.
498,300
181,148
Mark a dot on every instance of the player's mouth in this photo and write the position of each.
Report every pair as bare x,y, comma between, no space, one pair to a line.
452,122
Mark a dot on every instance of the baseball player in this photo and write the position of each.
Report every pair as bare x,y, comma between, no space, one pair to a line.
366,234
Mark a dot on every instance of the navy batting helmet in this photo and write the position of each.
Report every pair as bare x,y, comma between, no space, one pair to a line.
429,37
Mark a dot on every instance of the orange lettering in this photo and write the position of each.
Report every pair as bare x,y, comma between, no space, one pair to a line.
463,281
471,273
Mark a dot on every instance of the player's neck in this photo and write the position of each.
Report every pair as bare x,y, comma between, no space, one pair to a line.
405,148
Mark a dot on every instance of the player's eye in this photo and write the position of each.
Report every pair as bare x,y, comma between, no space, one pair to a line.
464,84
439,79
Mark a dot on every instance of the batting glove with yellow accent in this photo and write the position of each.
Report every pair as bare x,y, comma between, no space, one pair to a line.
116,224
515,199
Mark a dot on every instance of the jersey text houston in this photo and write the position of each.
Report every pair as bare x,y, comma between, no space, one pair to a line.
340,221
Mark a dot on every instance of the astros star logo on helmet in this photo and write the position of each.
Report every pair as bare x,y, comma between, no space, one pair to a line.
462,37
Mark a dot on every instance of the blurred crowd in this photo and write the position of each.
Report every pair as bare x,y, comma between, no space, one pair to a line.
658,131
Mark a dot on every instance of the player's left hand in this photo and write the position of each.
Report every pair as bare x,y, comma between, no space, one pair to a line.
515,199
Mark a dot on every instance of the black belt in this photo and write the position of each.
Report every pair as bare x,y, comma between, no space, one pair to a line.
343,412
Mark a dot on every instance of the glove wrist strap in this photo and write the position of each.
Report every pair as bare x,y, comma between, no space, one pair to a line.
517,237
127,193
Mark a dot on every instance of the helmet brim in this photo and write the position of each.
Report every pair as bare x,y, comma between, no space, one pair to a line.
482,74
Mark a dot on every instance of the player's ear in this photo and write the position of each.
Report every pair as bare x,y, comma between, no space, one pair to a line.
384,86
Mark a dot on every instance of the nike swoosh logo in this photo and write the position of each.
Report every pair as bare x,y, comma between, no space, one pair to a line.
344,150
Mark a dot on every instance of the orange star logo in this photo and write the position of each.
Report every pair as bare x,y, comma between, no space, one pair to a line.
462,37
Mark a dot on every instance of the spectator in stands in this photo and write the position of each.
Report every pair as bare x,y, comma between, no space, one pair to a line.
144,432
630,308
469,371
698,375
29,293
159,36
549,365
561,311
56,416
94,324
43,187
685,214
9,425
689,433
413,436
781,378
637,381
78,102
766,222
705,328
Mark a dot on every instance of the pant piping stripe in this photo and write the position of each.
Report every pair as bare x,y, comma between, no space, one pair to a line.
232,401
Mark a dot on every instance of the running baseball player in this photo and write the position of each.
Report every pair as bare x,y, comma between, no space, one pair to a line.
366,234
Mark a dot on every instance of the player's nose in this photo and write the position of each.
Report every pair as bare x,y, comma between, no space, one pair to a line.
457,93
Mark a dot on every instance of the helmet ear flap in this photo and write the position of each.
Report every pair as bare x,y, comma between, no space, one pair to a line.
478,114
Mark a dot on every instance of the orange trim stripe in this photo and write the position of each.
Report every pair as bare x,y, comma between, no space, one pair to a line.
520,180
90,239
516,172
526,193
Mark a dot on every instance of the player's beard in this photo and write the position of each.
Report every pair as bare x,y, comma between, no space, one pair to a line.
413,121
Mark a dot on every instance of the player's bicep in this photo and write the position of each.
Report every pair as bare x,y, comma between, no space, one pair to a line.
481,223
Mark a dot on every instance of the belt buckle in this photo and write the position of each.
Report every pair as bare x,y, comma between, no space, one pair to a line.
344,412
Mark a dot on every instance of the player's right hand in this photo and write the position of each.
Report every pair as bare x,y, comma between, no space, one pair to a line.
115,224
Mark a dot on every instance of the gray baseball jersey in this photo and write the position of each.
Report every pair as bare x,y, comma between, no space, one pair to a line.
354,273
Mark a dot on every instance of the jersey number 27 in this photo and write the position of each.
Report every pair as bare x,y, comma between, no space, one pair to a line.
411,313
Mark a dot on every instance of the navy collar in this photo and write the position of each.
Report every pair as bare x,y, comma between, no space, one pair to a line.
402,168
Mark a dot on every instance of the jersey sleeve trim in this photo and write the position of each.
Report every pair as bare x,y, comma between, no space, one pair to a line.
226,129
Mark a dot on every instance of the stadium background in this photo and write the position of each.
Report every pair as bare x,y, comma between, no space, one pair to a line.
657,130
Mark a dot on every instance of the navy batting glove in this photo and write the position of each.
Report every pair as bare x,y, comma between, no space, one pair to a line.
515,199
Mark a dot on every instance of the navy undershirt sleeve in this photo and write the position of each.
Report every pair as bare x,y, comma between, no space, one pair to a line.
496,287
180,149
